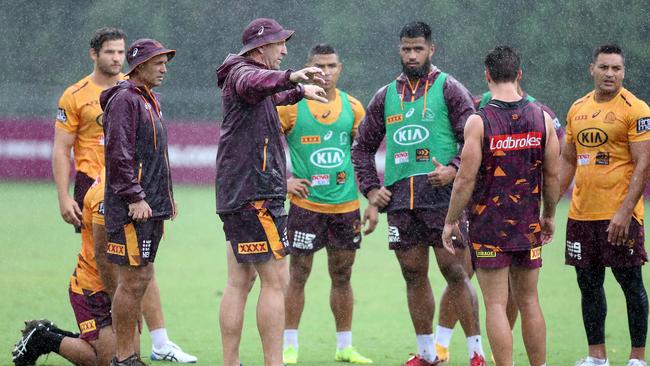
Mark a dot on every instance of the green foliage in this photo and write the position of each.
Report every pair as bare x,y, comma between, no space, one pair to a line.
45,43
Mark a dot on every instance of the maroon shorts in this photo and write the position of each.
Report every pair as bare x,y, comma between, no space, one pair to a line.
310,231
408,228
587,246
136,243
82,183
483,257
93,312
257,232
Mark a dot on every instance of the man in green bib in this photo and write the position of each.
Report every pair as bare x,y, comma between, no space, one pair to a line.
324,202
422,115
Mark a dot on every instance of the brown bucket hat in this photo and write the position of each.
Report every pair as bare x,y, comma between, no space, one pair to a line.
263,31
143,50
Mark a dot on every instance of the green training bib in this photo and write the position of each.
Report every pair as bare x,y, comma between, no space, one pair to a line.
320,153
414,134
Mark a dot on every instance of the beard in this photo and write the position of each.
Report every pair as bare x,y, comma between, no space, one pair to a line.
107,70
418,72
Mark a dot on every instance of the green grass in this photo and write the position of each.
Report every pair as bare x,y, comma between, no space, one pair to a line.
39,254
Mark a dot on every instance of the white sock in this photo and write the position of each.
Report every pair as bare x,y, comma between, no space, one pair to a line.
443,336
291,338
343,339
425,346
598,361
159,337
474,345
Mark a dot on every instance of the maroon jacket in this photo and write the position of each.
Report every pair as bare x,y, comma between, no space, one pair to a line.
251,163
137,161
372,131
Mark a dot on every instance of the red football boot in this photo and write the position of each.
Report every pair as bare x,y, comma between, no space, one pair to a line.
477,360
416,360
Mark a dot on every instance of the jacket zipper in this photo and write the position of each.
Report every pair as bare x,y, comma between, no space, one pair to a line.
266,142
140,173
169,180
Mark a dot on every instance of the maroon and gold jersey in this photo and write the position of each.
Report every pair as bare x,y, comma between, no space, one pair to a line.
85,279
504,215
602,133
80,114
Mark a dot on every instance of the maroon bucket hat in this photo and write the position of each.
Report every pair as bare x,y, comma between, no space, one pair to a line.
143,50
263,31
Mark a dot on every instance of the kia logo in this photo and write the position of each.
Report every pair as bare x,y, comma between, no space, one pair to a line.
592,137
410,135
329,157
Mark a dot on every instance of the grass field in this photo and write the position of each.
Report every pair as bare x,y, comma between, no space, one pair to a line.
39,254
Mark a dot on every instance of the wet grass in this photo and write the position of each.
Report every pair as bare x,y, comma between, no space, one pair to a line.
39,254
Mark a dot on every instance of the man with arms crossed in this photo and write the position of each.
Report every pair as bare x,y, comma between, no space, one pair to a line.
422,115
138,193
324,201
509,163
608,152
251,183
78,127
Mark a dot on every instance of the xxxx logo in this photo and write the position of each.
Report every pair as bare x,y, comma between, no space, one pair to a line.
252,247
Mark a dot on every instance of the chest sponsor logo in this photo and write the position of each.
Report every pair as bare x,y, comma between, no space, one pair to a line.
116,249
401,157
253,247
410,135
422,155
519,141
328,135
409,113
302,240
309,140
583,159
643,125
341,177
535,253
61,116
602,158
596,113
320,180
101,210
394,119
87,326
582,117
592,137
329,157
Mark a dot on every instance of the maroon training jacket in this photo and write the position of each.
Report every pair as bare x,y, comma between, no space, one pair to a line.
251,163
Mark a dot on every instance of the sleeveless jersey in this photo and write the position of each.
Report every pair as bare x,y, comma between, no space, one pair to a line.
417,131
321,152
505,210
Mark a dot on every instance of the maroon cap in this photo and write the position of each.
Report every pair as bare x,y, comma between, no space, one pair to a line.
263,31
143,50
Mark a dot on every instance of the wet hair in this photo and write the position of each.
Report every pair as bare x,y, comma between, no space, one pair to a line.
415,30
503,63
321,49
610,48
105,34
